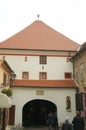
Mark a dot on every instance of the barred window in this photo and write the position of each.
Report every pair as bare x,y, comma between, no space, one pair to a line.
25,75
68,75
43,60
42,75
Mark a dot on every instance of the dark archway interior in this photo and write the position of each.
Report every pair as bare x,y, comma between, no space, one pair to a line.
35,112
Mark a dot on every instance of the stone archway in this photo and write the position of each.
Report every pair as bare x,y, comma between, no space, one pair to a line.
35,112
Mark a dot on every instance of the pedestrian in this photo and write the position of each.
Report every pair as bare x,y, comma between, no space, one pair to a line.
49,121
55,121
78,122
67,125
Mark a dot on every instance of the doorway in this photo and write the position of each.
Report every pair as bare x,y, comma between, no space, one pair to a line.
35,112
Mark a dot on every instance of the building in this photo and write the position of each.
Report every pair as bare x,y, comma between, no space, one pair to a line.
5,93
79,64
44,82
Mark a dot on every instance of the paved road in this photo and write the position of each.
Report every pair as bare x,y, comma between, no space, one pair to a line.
33,128
36,128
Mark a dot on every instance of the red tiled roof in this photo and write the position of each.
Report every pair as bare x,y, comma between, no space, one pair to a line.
45,83
39,36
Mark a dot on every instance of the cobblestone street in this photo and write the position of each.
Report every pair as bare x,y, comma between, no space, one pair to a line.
33,128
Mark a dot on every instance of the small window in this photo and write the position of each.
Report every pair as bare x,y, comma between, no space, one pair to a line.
43,60
42,75
25,75
25,58
68,75
4,79
3,57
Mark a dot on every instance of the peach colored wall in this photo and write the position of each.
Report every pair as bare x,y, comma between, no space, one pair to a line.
3,70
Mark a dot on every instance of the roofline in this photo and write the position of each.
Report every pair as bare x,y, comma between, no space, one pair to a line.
37,49
8,65
5,62
45,83
77,53
47,87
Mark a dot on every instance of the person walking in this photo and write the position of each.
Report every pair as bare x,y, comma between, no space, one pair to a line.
78,122
55,121
49,121
67,125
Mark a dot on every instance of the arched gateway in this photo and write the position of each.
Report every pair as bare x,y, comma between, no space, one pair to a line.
35,112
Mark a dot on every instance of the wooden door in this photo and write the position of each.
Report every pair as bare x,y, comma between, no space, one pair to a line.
12,115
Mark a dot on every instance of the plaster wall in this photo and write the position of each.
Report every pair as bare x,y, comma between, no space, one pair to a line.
55,67
57,96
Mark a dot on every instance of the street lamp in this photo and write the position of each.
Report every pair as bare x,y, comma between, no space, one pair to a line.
12,75
77,89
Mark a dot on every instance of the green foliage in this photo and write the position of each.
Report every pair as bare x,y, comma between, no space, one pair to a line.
7,91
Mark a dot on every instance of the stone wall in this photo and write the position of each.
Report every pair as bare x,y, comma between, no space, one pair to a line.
80,69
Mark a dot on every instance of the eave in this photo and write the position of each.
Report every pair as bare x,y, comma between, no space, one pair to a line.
45,83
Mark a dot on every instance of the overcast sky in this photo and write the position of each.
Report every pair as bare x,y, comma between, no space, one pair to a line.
65,16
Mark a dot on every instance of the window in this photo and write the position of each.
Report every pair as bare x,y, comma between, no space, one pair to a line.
68,75
42,75
25,75
4,79
25,58
43,60
3,57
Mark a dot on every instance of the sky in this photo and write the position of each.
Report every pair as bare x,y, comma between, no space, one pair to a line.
65,16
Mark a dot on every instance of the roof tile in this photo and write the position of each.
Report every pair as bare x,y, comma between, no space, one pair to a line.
39,36
45,83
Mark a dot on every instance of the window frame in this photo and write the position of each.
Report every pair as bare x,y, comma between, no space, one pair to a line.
25,72
42,59
4,79
40,75
25,58
66,74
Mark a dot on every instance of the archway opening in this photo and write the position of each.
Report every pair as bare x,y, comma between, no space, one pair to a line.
35,112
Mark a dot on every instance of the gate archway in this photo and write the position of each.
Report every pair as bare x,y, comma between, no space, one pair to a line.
35,112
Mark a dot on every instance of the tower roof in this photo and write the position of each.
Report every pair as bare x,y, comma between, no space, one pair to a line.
39,36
